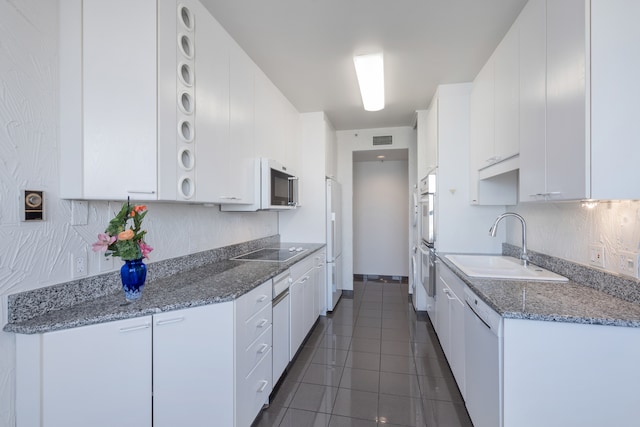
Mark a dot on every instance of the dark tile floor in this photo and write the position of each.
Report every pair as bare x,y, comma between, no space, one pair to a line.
371,362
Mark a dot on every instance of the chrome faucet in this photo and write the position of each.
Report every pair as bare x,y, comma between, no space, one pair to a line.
492,231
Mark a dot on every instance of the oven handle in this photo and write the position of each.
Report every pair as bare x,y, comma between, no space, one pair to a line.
279,298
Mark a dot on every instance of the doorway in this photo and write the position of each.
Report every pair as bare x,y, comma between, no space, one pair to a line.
381,213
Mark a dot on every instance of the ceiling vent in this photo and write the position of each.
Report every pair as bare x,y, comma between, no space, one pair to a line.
382,140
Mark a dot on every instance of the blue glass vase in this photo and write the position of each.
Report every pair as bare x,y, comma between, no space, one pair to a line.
133,274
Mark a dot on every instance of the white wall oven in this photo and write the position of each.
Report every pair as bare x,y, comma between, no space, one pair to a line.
428,237
427,209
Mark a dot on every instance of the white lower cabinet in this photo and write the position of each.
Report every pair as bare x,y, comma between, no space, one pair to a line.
202,366
254,357
450,320
320,284
192,353
303,294
569,374
98,375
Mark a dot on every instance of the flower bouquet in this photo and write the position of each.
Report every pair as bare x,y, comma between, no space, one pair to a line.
124,238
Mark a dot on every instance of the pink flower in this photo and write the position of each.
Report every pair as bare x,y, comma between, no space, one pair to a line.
145,249
104,240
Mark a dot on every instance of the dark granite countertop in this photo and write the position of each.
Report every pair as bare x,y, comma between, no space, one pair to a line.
551,301
207,284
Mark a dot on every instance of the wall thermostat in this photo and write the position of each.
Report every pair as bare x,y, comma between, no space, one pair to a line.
33,205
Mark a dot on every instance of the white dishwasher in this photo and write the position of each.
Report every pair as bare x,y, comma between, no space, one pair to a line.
483,362
280,306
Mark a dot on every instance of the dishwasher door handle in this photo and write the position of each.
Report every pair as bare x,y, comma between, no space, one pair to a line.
478,316
279,298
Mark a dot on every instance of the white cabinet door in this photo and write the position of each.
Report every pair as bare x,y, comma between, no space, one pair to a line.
615,90
431,155
567,156
457,356
296,326
450,320
98,375
193,361
211,162
442,323
310,292
551,362
321,283
422,156
501,190
239,180
117,103
482,119
506,96
533,78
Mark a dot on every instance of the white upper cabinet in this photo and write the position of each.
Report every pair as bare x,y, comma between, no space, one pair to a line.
501,188
211,105
579,117
427,137
533,78
482,118
567,153
494,106
277,124
108,98
160,91
240,156
615,91
506,96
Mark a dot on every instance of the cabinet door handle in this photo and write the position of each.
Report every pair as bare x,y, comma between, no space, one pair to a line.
169,321
262,298
262,323
263,348
263,386
304,279
141,191
230,198
135,328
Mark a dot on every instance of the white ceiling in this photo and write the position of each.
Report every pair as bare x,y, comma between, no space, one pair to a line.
306,48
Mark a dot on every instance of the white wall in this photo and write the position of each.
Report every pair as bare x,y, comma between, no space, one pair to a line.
380,211
34,255
348,142
565,230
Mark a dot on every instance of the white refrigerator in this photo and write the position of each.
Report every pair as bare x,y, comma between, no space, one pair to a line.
334,242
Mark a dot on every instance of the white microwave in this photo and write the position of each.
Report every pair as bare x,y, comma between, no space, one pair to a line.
278,186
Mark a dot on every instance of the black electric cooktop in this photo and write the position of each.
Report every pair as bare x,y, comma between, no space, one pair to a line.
270,254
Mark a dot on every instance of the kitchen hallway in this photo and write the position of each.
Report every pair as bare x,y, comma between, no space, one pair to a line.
371,362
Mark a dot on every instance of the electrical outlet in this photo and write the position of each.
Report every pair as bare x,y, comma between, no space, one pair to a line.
596,255
628,264
105,263
79,263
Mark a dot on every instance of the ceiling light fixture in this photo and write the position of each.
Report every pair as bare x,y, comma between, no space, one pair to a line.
370,72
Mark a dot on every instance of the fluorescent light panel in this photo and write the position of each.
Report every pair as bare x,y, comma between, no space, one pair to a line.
370,72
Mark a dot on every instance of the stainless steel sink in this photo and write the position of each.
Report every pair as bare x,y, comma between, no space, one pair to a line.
502,267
